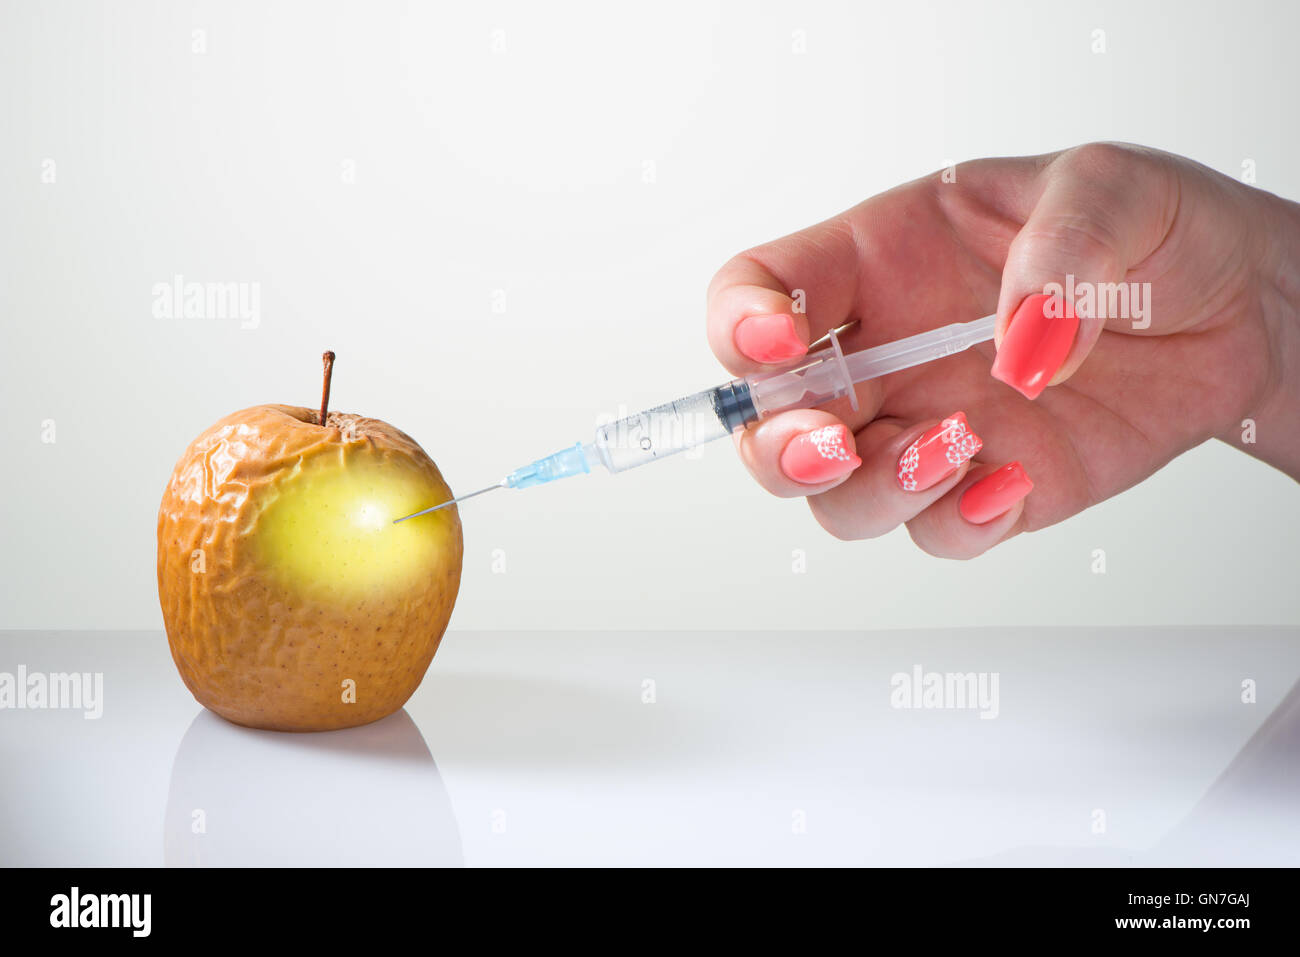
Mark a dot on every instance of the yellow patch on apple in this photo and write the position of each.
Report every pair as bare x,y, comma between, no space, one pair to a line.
330,527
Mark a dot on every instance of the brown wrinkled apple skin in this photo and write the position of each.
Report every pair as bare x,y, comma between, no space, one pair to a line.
260,651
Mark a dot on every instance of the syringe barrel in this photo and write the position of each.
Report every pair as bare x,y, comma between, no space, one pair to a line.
674,426
819,378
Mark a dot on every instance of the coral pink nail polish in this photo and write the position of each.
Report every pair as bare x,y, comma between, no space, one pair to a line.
769,338
937,453
819,456
994,494
1036,343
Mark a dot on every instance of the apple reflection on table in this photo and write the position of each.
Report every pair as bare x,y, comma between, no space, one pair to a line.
367,796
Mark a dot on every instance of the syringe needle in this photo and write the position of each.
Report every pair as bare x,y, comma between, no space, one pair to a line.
452,501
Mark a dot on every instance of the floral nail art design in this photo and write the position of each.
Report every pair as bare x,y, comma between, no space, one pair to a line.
937,453
819,456
829,443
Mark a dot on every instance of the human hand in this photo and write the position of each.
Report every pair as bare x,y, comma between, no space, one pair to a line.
1214,343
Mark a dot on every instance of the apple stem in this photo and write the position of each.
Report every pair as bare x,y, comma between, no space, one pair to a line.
328,359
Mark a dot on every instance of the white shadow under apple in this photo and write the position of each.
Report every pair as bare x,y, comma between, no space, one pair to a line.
368,796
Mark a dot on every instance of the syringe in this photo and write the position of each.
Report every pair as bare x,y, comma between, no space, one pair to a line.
695,419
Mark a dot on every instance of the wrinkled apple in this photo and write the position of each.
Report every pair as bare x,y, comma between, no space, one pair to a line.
291,600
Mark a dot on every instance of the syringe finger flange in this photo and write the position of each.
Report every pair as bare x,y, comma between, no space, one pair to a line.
842,367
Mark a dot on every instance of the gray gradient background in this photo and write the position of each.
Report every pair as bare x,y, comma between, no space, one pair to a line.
522,170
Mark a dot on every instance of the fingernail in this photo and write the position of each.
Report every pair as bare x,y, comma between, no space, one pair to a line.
819,456
994,494
769,338
1036,343
937,454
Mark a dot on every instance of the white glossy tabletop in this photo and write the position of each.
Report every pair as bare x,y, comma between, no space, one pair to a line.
1102,746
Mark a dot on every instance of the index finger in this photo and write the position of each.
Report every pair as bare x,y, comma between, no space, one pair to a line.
768,304
924,253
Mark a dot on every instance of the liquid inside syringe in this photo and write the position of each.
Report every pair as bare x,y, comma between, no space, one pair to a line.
673,427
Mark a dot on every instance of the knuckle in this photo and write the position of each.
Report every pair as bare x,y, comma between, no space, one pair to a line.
836,521
939,542
1101,158
1083,241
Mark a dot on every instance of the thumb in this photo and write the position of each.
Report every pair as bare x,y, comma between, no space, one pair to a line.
1103,208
